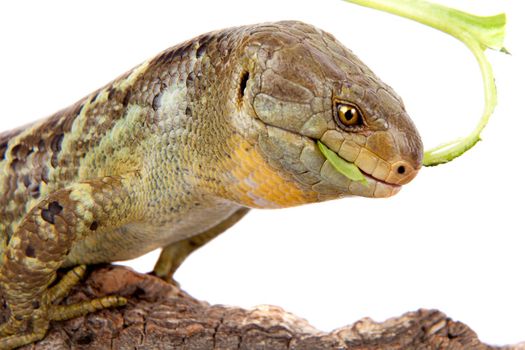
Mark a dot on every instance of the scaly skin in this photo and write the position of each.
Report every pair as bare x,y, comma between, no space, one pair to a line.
172,153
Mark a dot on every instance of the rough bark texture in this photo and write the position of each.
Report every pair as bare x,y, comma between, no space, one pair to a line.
161,316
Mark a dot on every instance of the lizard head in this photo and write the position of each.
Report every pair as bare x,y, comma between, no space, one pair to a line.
300,86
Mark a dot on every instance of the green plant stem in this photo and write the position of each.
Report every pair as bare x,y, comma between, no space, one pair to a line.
350,170
477,33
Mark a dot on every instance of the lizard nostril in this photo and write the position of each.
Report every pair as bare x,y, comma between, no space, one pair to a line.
401,172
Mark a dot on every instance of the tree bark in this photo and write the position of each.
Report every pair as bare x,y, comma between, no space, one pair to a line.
161,316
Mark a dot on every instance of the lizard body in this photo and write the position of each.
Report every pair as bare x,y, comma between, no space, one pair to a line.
177,150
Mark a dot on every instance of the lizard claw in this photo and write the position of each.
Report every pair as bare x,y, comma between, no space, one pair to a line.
32,326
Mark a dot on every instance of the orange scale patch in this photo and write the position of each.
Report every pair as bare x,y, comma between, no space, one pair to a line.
259,185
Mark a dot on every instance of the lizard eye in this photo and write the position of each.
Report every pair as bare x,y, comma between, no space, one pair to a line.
349,115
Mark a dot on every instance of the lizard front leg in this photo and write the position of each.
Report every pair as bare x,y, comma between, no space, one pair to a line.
40,245
173,255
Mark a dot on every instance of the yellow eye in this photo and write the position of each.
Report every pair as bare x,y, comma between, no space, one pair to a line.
349,115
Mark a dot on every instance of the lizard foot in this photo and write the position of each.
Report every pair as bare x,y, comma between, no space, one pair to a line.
33,322
168,279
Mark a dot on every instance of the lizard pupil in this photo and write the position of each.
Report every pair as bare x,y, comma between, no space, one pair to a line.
349,114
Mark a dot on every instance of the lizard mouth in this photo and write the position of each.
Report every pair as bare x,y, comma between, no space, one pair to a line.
362,183
352,171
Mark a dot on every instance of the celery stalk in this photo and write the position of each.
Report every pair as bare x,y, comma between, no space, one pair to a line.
350,170
477,33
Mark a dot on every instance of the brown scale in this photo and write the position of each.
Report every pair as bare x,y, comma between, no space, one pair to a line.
30,158
36,155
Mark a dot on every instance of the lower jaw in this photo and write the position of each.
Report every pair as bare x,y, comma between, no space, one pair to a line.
373,188
382,189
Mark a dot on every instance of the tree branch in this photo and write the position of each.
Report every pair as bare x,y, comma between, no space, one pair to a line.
161,316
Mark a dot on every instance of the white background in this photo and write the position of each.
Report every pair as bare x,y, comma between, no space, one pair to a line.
453,239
